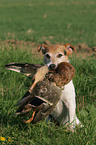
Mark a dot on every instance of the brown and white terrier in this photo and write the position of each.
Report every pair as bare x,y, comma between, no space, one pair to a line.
53,55
65,109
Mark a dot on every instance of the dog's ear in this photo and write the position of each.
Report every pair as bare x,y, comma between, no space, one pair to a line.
42,47
69,48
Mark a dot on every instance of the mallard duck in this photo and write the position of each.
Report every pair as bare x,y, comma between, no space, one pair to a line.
46,92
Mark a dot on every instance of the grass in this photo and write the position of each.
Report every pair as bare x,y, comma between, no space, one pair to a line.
65,21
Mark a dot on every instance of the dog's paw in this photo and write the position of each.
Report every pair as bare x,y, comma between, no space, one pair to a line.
76,122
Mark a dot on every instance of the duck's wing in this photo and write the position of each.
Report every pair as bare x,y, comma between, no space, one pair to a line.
42,113
43,99
24,68
27,103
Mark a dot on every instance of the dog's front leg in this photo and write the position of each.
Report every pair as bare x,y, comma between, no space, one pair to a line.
68,97
73,120
72,113
70,104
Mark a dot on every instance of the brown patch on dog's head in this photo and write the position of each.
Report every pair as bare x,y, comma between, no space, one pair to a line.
69,48
42,47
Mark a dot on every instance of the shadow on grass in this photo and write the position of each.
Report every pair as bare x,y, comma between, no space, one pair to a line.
11,120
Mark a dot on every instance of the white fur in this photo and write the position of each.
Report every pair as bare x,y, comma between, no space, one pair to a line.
65,110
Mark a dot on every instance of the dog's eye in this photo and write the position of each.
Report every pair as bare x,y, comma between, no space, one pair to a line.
59,55
48,56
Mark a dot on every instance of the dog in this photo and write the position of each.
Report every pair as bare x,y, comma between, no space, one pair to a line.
64,112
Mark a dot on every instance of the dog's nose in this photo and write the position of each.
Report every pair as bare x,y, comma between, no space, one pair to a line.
52,66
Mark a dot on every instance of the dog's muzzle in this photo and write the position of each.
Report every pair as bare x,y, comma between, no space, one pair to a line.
52,67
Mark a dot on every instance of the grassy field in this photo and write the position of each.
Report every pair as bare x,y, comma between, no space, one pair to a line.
64,21
23,26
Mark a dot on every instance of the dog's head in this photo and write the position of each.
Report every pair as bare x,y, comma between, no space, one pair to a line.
55,54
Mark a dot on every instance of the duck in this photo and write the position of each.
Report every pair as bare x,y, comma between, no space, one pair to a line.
46,89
